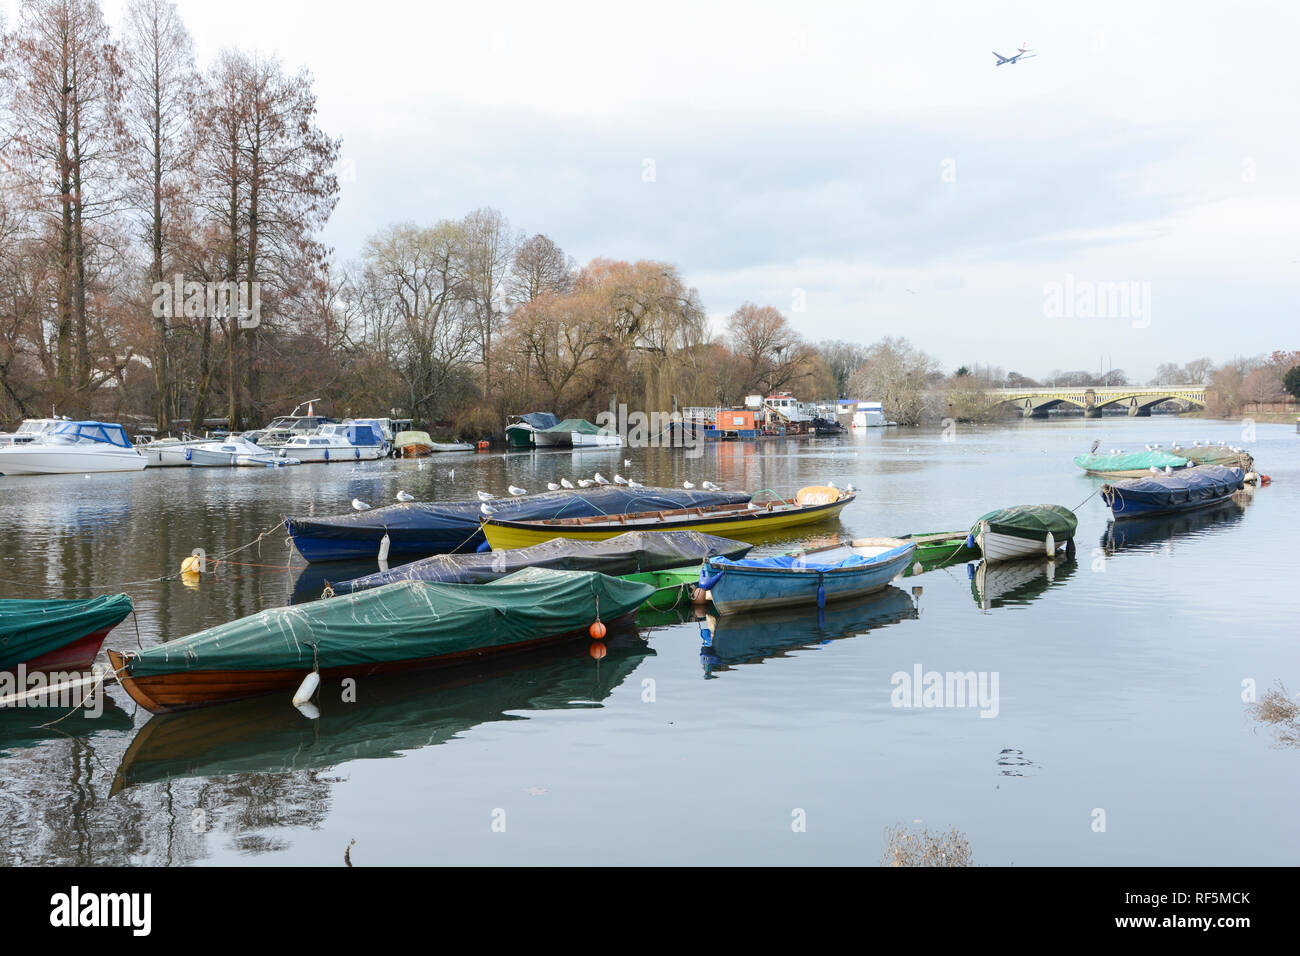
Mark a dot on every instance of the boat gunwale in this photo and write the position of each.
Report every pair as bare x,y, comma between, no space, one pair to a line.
706,513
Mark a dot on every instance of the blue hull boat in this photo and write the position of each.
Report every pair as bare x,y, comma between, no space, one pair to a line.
1185,490
806,577
417,529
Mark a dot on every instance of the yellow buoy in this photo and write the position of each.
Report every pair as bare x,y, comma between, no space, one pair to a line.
190,565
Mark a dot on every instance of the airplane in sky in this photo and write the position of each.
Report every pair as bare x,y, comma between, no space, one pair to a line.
1023,53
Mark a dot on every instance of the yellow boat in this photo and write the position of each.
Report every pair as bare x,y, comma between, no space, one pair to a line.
740,522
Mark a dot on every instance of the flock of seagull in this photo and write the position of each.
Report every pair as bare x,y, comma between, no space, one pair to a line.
564,484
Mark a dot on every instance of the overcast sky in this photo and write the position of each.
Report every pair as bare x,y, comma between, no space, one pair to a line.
866,153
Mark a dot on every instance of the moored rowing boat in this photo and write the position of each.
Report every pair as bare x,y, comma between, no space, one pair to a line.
405,626
57,635
1185,490
825,574
1024,530
738,521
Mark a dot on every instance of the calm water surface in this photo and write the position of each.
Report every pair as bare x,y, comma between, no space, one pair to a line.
1120,681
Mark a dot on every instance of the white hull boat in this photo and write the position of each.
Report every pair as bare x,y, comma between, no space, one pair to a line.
336,442
599,440
235,452
74,448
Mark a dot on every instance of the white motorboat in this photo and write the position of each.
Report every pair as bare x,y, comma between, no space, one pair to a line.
336,442
235,452
30,430
73,448
169,452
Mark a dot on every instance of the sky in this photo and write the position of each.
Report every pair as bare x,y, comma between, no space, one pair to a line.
862,166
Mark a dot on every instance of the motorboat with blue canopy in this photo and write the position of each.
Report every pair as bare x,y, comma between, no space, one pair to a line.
74,448
825,574
417,528
1185,490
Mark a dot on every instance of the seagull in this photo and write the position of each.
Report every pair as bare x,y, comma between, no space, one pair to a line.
634,484
450,474
1154,470
419,466
1195,443
552,486
851,489
487,509
710,486
600,479
753,507
405,496
627,462
514,490
484,496
566,483
1149,448
1168,470
620,480
829,484
360,505
1093,449
585,482
688,484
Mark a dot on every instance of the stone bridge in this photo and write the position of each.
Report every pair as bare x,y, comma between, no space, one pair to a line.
1138,399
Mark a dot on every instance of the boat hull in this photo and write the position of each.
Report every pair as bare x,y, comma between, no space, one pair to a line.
520,435
1006,547
31,460
1203,487
581,440
742,526
185,690
415,450
750,589
321,454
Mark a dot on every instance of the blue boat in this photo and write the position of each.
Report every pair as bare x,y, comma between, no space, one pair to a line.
416,529
1160,494
805,577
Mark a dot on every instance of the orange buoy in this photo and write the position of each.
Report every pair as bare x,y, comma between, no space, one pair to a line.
484,445
1265,480
597,630
597,650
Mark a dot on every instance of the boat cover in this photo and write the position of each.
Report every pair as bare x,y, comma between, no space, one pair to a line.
801,562
624,554
1031,521
412,438
1130,461
576,425
415,527
1189,487
540,420
29,629
406,621
95,431
1217,455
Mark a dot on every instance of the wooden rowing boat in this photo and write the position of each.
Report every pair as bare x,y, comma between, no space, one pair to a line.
742,522
838,572
410,625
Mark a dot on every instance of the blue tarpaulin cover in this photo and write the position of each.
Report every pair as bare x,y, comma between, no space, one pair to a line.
1188,488
422,528
540,420
795,562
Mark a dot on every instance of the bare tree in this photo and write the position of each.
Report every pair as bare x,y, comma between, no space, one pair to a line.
158,59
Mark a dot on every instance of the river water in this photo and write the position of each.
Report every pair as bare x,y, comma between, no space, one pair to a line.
1120,732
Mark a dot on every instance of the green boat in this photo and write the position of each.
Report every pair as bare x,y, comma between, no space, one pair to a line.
1129,464
672,587
938,549
1224,455
404,626
57,635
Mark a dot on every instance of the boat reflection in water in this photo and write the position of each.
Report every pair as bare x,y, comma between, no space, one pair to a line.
731,639
1018,583
1158,532
393,714
20,727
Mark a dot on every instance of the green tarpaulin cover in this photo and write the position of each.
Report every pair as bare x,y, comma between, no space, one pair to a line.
400,622
576,425
1130,461
1031,521
29,629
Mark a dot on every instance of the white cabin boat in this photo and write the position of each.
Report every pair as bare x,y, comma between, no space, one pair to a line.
73,448
30,430
336,442
235,452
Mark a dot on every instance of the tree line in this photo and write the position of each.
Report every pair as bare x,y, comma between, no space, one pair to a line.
146,200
